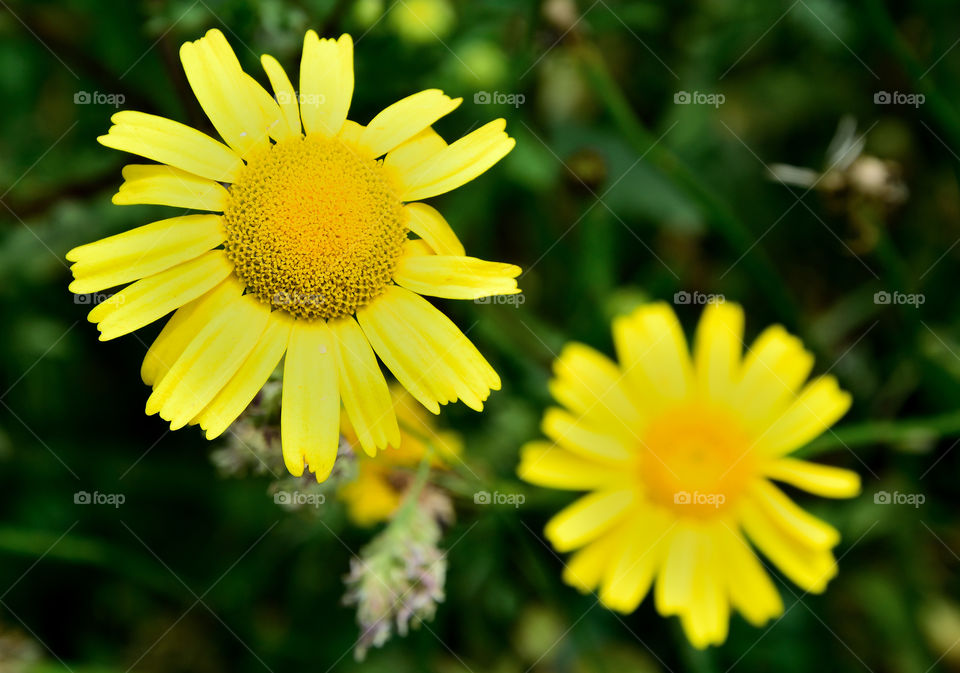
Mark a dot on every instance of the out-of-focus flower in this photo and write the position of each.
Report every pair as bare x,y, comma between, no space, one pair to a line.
851,181
381,482
398,579
422,20
263,282
680,455
480,63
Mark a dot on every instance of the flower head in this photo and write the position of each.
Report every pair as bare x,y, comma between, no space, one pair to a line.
679,454
302,252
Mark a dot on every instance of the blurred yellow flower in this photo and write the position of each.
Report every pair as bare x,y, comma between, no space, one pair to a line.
381,482
310,260
679,454
422,20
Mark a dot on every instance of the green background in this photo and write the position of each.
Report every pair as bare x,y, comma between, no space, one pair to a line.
613,195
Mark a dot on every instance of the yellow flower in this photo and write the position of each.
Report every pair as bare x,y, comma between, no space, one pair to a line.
303,252
679,454
381,482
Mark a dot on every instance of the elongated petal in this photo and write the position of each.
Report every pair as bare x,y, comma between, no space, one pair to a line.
151,298
587,518
458,163
427,353
706,619
169,186
455,277
219,84
675,585
653,353
427,223
550,466
591,386
326,83
820,404
822,480
172,143
425,146
773,371
587,567
788,515
717,348
284,93
575,434
749,586
634,568
363,388
143,251
209,362
310,416
244,385
807,567
183,326
405,119
272,119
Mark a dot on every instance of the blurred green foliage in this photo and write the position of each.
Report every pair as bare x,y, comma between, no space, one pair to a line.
614,194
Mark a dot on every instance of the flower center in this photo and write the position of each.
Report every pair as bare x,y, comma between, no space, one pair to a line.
313,228
696,460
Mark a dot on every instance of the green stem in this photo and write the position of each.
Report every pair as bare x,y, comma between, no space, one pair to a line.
413,493
903,431
734,231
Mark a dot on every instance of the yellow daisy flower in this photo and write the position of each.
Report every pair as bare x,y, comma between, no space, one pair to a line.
380,483
679,454
303,252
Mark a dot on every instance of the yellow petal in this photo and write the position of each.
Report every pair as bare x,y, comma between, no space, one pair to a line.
591,386
168,186
172,143
773,371
634,568
427,353
455,277
363,388
550,466
326,83
717,348
183,326
143,251
809,568
653,354
749,586
272,119
430,225
405,119
585,439
209,362
370,498
674,588
219,84
458,163
588,566
707,617
810,530
350,133
151,298
424,146
237,394
587,518
823,480
284,92
310,415
820,404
